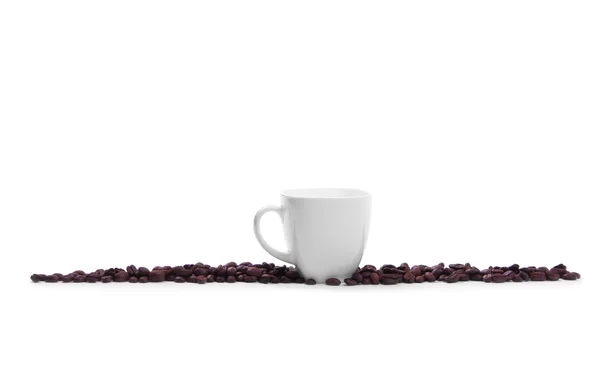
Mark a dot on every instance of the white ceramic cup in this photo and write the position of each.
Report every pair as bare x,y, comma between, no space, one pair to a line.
326,230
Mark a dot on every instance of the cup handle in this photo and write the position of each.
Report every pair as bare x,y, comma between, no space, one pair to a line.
283,256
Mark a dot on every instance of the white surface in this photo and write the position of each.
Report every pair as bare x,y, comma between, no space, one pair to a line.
150,132
325,230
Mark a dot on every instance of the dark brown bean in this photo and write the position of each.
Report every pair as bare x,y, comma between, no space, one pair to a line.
552,276
409,277
121,276
285,279
374,278
255,272
429,277
79,279
350,282
537,276
570,276
250,279
192,279
265,278
524,276
488,278
67,278
454,277
37,277
133,279
202,279
333,282
357,277
144,280
498,278
388,281
143,272
156,276
230,279
310,282
106,279
419,279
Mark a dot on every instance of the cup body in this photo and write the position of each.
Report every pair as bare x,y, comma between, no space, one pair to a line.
326,230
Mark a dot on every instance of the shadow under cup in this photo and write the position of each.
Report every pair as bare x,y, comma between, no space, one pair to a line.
326,230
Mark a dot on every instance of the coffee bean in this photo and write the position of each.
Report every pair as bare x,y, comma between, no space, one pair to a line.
524,276
230,279
89,279
170,277
51,278
516,278
106,279
464,277
453,277
250,279
442,278
131,270
67,278
369,268
488,278
514,268
552,276
133,279
542,269
143,272
285,279
350,282
231,264
144,280
388,281
37,277
210,278
409,277
472,271
476,277
265,278
374,278
299,280
310,282
255,272
333,282
419,279
537,276
79,279
201,279
429,277
156,276
456,266
416,271
192,279
570,276
357,277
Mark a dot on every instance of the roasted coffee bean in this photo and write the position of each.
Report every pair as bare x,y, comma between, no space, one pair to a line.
514,268
156,276
537,276
285,279
487,278
388,281
442,278
89,279
404,266
419,279
170,277
230,279
231,270
133,279
498,278
179,279
416,271
393,276
310,282
274,279
37,277
333,281
67,278
106,279
265,278
220,279
409,277
516,278
552,276
292,274
210,278
509,274
366,274
299,280
201,279
144,280
143,272
369,268
121,276
200,271
240,277
374,278
350,282
183,272
524,276
51,278
192,279
131,270
476,277
250,279
437,272
464,277
255,272
357,277
231,264
456,266
367,281
454,277
79,279
429,277
570,276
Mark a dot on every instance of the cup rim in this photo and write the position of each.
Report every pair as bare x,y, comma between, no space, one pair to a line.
324,193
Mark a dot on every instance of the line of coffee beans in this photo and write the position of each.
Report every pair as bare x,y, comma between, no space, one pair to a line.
247,272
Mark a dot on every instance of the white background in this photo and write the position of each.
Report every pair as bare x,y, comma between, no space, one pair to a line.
150,132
